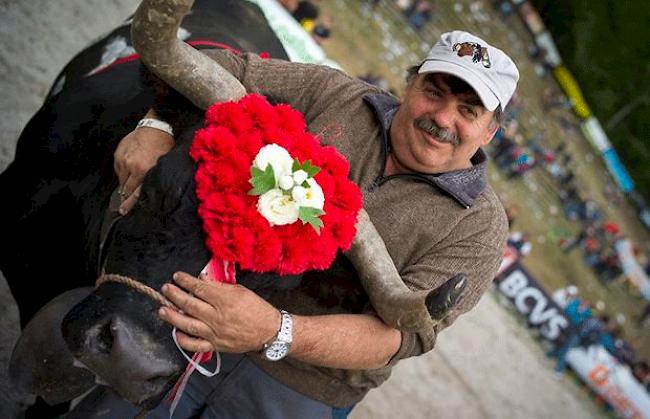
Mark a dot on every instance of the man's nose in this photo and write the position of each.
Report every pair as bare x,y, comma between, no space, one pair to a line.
445,114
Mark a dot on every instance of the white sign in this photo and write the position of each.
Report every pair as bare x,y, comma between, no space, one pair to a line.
611,380
631,267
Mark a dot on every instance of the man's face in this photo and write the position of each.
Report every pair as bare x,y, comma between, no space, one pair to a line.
435,130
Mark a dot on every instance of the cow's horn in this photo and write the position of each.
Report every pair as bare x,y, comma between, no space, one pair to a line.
190,72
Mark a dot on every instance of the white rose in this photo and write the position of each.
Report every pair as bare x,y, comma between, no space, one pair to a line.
299,176
314,196
286,182
278,157
277,208
298,194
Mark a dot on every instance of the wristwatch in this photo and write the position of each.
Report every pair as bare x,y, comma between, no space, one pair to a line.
278,347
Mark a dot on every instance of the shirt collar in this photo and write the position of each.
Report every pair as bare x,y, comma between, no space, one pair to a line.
464,185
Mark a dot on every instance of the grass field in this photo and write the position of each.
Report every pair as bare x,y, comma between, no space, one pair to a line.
380,41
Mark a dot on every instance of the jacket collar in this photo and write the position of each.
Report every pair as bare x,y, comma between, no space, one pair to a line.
463,185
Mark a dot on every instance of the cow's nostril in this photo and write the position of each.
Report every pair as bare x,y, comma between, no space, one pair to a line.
104,337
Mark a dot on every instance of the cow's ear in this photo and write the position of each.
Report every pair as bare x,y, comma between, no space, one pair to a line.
41,363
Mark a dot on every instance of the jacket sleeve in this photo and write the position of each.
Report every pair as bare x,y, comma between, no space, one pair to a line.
309,88
477,254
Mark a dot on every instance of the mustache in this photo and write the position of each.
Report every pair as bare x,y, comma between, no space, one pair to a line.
443,134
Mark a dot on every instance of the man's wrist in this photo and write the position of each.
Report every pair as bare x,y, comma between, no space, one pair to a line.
156,124
279,346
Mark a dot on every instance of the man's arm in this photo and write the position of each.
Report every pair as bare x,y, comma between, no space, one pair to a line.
231,318
346,341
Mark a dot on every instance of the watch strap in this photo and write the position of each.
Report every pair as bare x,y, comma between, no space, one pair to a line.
283,338
285,334
156,124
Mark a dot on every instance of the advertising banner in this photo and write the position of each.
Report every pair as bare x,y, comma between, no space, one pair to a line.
633,271
595,133
531,18
611,380
532,301
572,90
616,168
552,56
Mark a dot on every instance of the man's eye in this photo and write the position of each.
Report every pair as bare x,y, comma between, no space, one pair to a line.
432,91
468,111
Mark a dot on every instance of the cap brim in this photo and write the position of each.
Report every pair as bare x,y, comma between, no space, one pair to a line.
487,96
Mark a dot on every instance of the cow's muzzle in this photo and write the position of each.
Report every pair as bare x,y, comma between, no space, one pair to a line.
124,354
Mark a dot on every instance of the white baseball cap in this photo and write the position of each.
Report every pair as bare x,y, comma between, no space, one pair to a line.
488,70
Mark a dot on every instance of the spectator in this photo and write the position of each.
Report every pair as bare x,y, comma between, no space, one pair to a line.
404,6
585,330
290,5
420,14
322,29
306,13
562,296
641,371
505,9
520,242
512,211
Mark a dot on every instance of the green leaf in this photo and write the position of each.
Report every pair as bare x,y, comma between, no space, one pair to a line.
262,180
311,170
296,165
309,215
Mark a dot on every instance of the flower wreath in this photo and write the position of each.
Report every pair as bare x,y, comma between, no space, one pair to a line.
259,211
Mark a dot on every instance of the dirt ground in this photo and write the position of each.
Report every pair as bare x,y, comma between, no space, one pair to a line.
486,366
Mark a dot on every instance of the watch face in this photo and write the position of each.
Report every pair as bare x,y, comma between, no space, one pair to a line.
276,351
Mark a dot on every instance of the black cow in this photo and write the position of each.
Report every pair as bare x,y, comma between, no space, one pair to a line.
61,183
64,232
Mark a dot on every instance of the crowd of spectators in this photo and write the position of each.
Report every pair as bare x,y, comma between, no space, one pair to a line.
515,155
587,328
597,240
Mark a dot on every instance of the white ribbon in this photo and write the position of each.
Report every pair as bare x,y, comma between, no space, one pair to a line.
193,365
196,365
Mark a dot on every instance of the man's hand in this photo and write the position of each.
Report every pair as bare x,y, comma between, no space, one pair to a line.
136,154
231,318
219,317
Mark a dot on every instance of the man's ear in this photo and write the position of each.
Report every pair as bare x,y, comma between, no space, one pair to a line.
492,130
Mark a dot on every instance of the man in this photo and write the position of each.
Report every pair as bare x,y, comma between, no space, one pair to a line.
423,176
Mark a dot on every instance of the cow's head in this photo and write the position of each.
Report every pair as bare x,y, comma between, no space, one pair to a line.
115,331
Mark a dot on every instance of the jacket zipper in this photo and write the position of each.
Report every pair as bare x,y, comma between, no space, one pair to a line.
381,179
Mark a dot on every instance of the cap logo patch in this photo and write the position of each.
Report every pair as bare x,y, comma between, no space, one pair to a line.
474,50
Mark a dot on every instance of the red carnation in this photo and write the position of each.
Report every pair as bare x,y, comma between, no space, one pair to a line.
225,149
